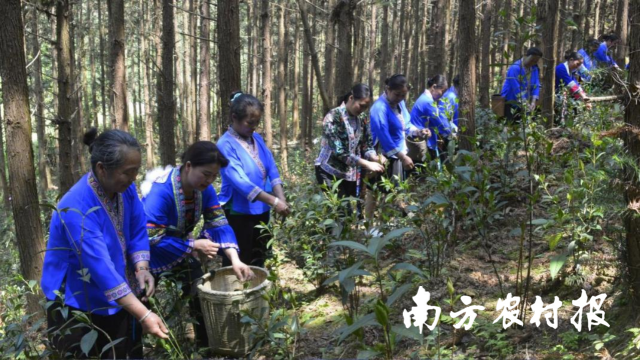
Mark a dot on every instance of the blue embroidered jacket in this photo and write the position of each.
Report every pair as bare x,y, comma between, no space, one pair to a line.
449,105
587,66
602,55
105,237
389,129
426,114
251,170
171,219
520,86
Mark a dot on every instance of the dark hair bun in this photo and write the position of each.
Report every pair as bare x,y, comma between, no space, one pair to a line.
90,136
235,94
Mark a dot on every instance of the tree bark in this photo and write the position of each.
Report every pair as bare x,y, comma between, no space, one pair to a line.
65,97
549,34
622,30
103,81
372,45
193,67
467,21
204,113
167,105
118,90
295,116
439,27
561,39
282,97
415,48
506,28
596,21
632,141
43,167
6,191
576,37
342,15
330,55
22,175
485,96
384,47
266,71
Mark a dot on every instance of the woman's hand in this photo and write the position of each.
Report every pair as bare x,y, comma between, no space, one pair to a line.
147,282
282,208
206,247
374,166
242,271
407,163
426,132
153,325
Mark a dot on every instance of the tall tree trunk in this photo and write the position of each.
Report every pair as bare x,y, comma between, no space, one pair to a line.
372,45
146,84
549,34
65,96
93,108
485,96
519,29
506,37
22,174
266,71
342,15
561,39
306,57
78,127
394,35
596,21
423,48
295,116
330,55
415,48
39,95
384,47
6,191
167,108
118,90
103,81
576,37
204,113
282,97
603,17
588,7
193,90
255,64
632,195
452,49
467,21
409,37
622,30
439,27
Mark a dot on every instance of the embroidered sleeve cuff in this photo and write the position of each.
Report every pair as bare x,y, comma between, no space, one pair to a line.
392,152
369,154
140,256
254,193
275,182
352,160
118,292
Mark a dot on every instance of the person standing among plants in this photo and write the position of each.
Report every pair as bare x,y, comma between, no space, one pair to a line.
390,124
347,143
251,182
521,88
448,104
566,80
97,260
174,200
589,63
602,54
426,115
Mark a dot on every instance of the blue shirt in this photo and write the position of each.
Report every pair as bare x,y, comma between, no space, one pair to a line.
520,86
170,219
251,170
426,114
587,66
105,237
602,55
449,105
566,78
388,128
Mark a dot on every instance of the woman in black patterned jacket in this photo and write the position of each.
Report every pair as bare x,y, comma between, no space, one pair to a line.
347,143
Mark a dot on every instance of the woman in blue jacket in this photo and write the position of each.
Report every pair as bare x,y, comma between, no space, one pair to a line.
251,183
174,200
602,54
391,123
98,255
426,114
567,86
589,63
521,88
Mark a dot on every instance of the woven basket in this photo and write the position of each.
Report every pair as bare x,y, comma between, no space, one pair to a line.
416,149
222,299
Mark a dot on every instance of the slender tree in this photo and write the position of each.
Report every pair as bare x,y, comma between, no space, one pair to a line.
467,91
622,31
549,34
22,174
384,46
204,112
372,44
166,102
117,73
65,96
330,54
438,57
295,106
266,71
282,97
6,192
485,82
632,141
342,15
